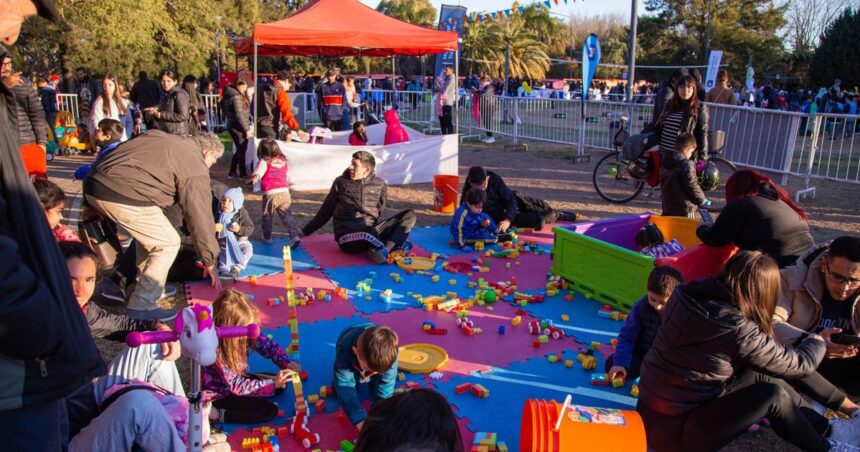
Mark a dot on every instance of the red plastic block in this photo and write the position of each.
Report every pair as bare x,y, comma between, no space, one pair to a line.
465,387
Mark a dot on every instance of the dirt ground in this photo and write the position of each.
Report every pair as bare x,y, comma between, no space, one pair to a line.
545,171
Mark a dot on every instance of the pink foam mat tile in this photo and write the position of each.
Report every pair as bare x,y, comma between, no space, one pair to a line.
273,286
543,237
530,273
324,250
472,353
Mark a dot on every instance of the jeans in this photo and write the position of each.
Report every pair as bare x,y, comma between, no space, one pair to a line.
237,163
395,229
247,253
135,418
157,244
143,363
278,204
446,121
748,398
37,428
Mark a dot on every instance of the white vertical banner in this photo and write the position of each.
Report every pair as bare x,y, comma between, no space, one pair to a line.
713,66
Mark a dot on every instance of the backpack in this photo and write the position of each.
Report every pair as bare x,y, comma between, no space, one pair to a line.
175,406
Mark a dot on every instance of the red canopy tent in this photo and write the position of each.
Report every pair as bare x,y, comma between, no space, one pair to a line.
338,28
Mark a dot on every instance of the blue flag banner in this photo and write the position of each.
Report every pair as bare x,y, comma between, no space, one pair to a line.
522,9
448,21
590,60
547,3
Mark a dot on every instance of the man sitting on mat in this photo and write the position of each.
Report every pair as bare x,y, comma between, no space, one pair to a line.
355,204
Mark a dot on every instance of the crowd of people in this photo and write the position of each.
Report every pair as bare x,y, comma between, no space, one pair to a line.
773,335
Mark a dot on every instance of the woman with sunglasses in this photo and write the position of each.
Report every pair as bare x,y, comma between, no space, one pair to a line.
819,295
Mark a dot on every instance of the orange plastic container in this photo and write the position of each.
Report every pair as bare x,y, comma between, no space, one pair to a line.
679,228
582,429
445,193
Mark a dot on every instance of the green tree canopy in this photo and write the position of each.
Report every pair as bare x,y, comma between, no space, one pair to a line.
836,55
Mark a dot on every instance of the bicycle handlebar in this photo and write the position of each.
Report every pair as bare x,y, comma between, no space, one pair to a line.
137,338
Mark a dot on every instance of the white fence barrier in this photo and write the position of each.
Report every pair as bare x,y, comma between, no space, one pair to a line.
823,146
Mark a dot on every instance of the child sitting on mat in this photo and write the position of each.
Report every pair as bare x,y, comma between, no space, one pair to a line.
358,137
364,353
650,240
238,396
470,224
640,328
233,228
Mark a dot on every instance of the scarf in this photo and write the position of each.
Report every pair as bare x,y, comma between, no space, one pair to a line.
232,252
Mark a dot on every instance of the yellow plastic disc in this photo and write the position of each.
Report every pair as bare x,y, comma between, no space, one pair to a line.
417,263
421,358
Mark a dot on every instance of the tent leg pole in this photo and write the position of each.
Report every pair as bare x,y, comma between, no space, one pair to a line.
456,90
256,94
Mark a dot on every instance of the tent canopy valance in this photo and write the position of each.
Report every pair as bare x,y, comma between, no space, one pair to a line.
337,28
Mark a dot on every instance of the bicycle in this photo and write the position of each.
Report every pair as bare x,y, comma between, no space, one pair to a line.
614,183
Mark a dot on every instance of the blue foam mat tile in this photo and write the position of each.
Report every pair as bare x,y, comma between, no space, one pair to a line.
535,378
316,350
584,323
435,239
269,258
348,277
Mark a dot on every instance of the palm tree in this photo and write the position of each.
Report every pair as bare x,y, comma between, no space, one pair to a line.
528,57
419,12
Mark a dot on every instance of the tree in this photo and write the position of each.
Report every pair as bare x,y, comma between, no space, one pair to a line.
676,32
806,21
418,12
836,55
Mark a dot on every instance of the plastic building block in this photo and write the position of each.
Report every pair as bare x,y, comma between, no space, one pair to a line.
516,320
313,398
434,278
299,428
248,442
501,329
435,375
617,382
280,412
319,406
347,446
552,358
568,363
452,282
465,387
480,391
283,431
501,447
543,339
411,385
401,376
565,317
252,280
599,379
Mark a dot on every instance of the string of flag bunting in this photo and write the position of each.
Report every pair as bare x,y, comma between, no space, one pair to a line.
472,18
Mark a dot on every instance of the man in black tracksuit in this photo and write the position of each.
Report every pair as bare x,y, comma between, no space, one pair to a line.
508,208
355,204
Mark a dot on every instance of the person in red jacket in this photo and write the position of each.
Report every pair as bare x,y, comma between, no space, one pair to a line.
275,108
394,131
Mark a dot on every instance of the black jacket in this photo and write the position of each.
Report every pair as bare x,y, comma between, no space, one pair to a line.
235,111
46,351
32,127
268,113
762,222
679,185
704,341
697,126
501,201
664,94
175,112
146,93
114,327
352,205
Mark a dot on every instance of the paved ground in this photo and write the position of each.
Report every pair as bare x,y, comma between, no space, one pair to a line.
544,171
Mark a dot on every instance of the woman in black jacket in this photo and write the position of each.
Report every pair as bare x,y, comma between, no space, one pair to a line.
684,114
759,215
715,367
196,105
236,109
174,112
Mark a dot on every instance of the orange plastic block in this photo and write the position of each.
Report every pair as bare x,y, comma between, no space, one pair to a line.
465,387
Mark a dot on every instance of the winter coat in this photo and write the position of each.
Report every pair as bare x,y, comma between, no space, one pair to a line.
235,110
352,205
467,227
695,125
638,333
330,101
664,94
274,109
46,351
394,131
762,222
32,127
48,97
242,218
114,327
704,341
164,170
681,193
220,381
146,93
97,114
175,111
347,376
798,310
501,201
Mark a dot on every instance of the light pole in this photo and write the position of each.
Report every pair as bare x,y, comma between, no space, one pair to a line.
631,60
708,30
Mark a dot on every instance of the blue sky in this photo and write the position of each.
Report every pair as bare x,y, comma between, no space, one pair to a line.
580,7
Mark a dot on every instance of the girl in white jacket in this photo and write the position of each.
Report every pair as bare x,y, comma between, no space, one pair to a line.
110,105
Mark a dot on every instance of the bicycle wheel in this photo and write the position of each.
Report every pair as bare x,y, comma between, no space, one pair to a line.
612,181
718,195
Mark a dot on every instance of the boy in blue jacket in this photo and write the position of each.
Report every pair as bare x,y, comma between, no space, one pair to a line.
364,353
640,328
470,224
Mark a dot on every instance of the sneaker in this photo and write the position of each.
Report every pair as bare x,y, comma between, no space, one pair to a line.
813,405
842,446
154,314
565,215
267,241
295,241
378,255
110,291
169,291
489,140
845,430
235,272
